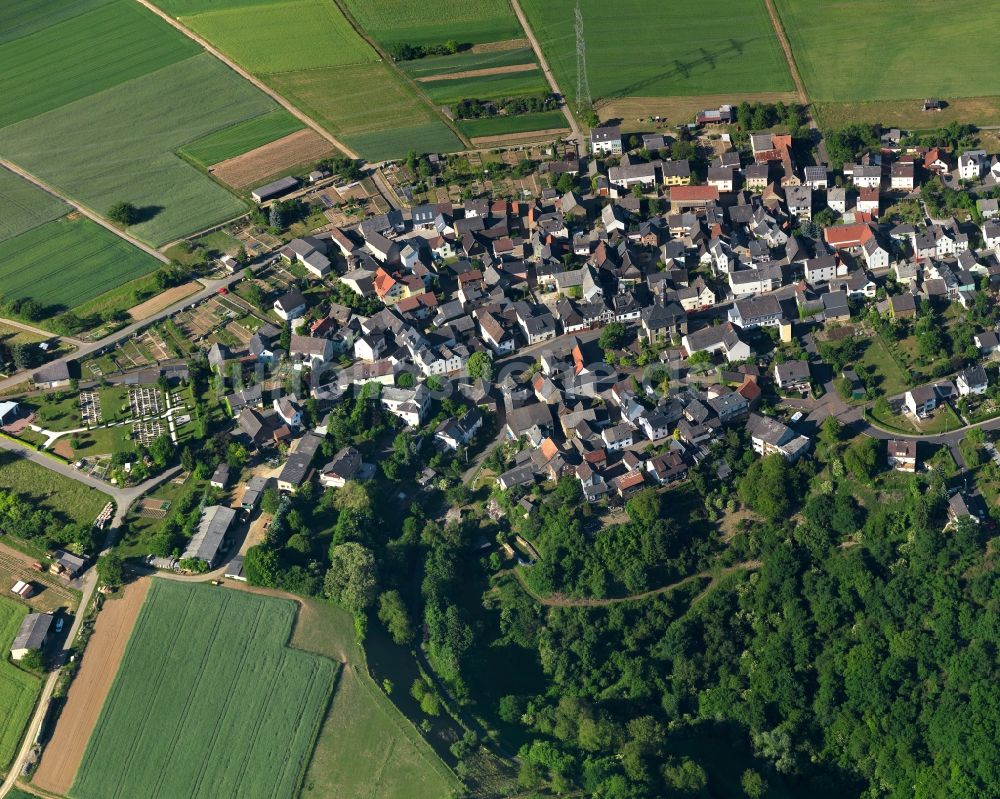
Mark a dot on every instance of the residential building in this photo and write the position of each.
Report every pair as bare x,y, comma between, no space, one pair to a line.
764,311
971,381
606,140
792,376
901,454
770,436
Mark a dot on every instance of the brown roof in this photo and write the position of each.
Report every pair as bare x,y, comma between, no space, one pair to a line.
697,193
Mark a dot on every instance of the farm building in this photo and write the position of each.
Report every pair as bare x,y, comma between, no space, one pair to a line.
55,375
8,412
234,571
252,493
220,478
207,542
22,589
69,565
297,467
277,188
33,635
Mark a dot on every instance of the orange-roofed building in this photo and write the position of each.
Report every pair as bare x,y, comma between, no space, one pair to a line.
388,289
682,197
848,237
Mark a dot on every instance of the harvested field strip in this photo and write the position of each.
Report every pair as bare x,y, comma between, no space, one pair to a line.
86,696
488,88
18,689
64,263
164,300
242,137
256,165
496,47
241,727
85,55
25,206
481,73
446,64
680,108
527,136
436,21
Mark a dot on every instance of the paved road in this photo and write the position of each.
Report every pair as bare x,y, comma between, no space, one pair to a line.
577,135
83,209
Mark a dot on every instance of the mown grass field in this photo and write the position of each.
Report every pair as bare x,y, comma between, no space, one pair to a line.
208,701
487,87
854,51
461,62
24,206
119,145
436,21
642,49
83,55
68,499
497,126
18,689
242,137
64,263
366,747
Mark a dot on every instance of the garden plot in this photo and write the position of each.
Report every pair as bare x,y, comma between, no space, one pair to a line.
150,508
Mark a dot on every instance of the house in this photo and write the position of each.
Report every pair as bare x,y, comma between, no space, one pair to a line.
921,401
902,176
685,197
849,237
721,177
988,342
958,508
868,200
312,352
988,209
526,420
902,306
723,115
207,542
971,164
901,454
9,411
310,252
220,477
253,491
297,468
971,381
770,436
792,376
31,636
719,338
668,468
876,256
53,375
756,176
991,238
936,162
764,311
69,565
866,177
455,433
835,307
290,306
625,177
798,199
816,177
617,438
661,321
606,140
820,270
676,173
288,410
836,199
345,466
387,288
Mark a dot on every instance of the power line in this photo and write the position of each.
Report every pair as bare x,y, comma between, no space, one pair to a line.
583,101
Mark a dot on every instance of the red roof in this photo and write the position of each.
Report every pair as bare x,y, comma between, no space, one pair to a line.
384,282
697,193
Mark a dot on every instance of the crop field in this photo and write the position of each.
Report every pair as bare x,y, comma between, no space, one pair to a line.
64,263
84,55
497,126
234,710
25,206
879,56
436,21
470,60
242,137
490,87
20,18
644,49
68,499
18,689
119,145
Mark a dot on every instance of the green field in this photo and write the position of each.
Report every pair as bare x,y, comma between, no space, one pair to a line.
366,747
24,206
488,87
84,55
119,145
19,18
497,126
242,137
880,57
460,62
642,49
18,689
68,499
64,263
208,701
436,21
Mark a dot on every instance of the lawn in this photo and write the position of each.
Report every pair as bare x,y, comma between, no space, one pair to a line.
366,747
118,145
86,54
235,711
68,499
497,126
469,60
67,262
436,21
863,65
642,49
242,137
18,689
487,87
25,206
892,380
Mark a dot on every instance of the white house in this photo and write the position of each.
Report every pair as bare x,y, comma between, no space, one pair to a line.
972,381
617,437
290,306
409,404
971,163
606,140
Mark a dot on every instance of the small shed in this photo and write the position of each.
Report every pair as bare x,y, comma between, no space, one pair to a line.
33,635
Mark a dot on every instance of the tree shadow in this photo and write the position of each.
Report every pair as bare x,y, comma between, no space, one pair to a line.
147,212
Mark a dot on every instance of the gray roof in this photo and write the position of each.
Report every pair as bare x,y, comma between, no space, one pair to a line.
212,529
297,466
33,631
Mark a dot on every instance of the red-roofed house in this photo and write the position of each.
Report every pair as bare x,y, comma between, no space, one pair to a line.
848,237
388,289
682,197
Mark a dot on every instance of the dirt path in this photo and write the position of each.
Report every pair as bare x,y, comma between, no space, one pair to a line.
255,81
559,601
479,73
779,31
548,72
65,749
87,212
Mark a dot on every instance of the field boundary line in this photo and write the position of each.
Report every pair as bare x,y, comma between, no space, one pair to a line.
93,216
533,41
409,81
253,80
786,48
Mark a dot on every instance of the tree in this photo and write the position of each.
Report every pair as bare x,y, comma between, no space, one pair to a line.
110,569
392,613
270,501
242,256
480,365
236,456
645,507
260,565
861,458
754,785
124,213
350,580
32,660
161,450
768,488
613,336
285,339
